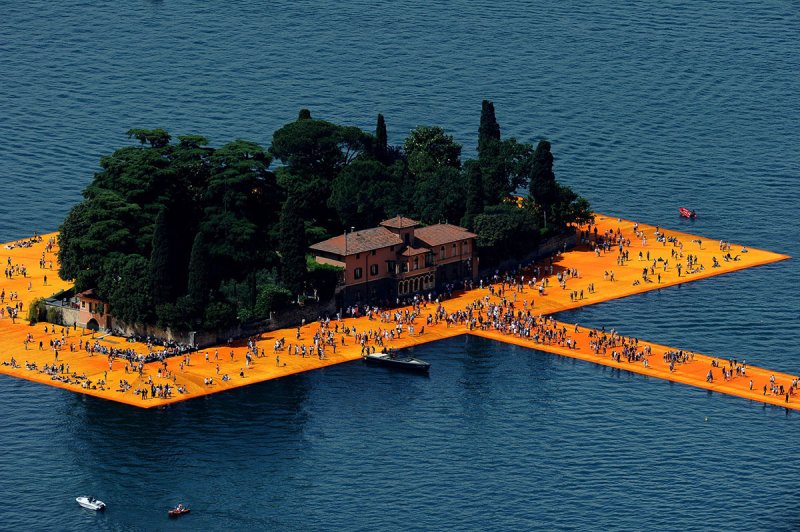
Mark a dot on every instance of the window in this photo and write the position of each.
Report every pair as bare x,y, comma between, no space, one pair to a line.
429,259
404,267
441,252
391,266
466,246
357,273
407,237
373,269
358,255
454,249
373,252
416,263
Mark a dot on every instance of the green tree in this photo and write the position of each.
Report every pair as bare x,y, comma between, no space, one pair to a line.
489,129
157,138
322,278
271,297
362,193
145,206
241,200
430,148
505,231
543,186
161,267
156,176
570,208
316,148
506,166
124,283
439,196
219,314
304,114
381,139
434,176
91,231
474,203
314,152
292,246
199,273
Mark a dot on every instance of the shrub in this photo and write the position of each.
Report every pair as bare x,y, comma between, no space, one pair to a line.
37,311
271,297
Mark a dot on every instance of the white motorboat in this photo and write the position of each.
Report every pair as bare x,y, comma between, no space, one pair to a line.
91,503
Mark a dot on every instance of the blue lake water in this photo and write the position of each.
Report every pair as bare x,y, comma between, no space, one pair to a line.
649,106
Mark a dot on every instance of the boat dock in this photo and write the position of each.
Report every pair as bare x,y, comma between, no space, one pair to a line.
610,280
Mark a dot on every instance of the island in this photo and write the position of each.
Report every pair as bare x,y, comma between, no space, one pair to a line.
189,270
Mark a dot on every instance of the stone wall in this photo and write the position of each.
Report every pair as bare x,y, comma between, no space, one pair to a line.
65,313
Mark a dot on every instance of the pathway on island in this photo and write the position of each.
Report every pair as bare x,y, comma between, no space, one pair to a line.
592,268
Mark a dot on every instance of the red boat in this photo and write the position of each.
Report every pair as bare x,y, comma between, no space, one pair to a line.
686,213
178,511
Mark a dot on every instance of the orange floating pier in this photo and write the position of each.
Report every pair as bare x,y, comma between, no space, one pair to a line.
590,275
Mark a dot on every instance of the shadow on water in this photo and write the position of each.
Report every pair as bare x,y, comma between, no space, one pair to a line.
262,407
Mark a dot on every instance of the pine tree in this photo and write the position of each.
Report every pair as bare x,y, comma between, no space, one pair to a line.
199,273
292,245
489,130
543,186
162,287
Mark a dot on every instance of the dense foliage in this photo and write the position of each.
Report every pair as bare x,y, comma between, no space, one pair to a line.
186,235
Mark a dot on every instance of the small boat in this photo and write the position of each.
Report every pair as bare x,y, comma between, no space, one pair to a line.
91,503
686,213
178,511
391,360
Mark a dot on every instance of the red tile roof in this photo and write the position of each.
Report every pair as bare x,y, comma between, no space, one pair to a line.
359,242
399,222
438,234
412,251
89,294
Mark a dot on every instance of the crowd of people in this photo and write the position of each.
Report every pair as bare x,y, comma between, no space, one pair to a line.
28,242
504,308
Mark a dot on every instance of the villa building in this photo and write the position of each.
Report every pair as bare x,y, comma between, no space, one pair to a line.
398,259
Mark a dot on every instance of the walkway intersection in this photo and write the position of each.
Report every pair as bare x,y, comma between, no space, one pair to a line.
590,277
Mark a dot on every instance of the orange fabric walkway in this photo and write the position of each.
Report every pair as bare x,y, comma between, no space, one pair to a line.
584,266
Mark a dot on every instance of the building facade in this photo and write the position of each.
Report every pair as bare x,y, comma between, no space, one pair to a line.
93,312
398,259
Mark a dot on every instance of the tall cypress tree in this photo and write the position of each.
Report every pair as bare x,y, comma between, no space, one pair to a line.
489,130
543,186
493,176
382,138
292,245
162,286
199,273
474,205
